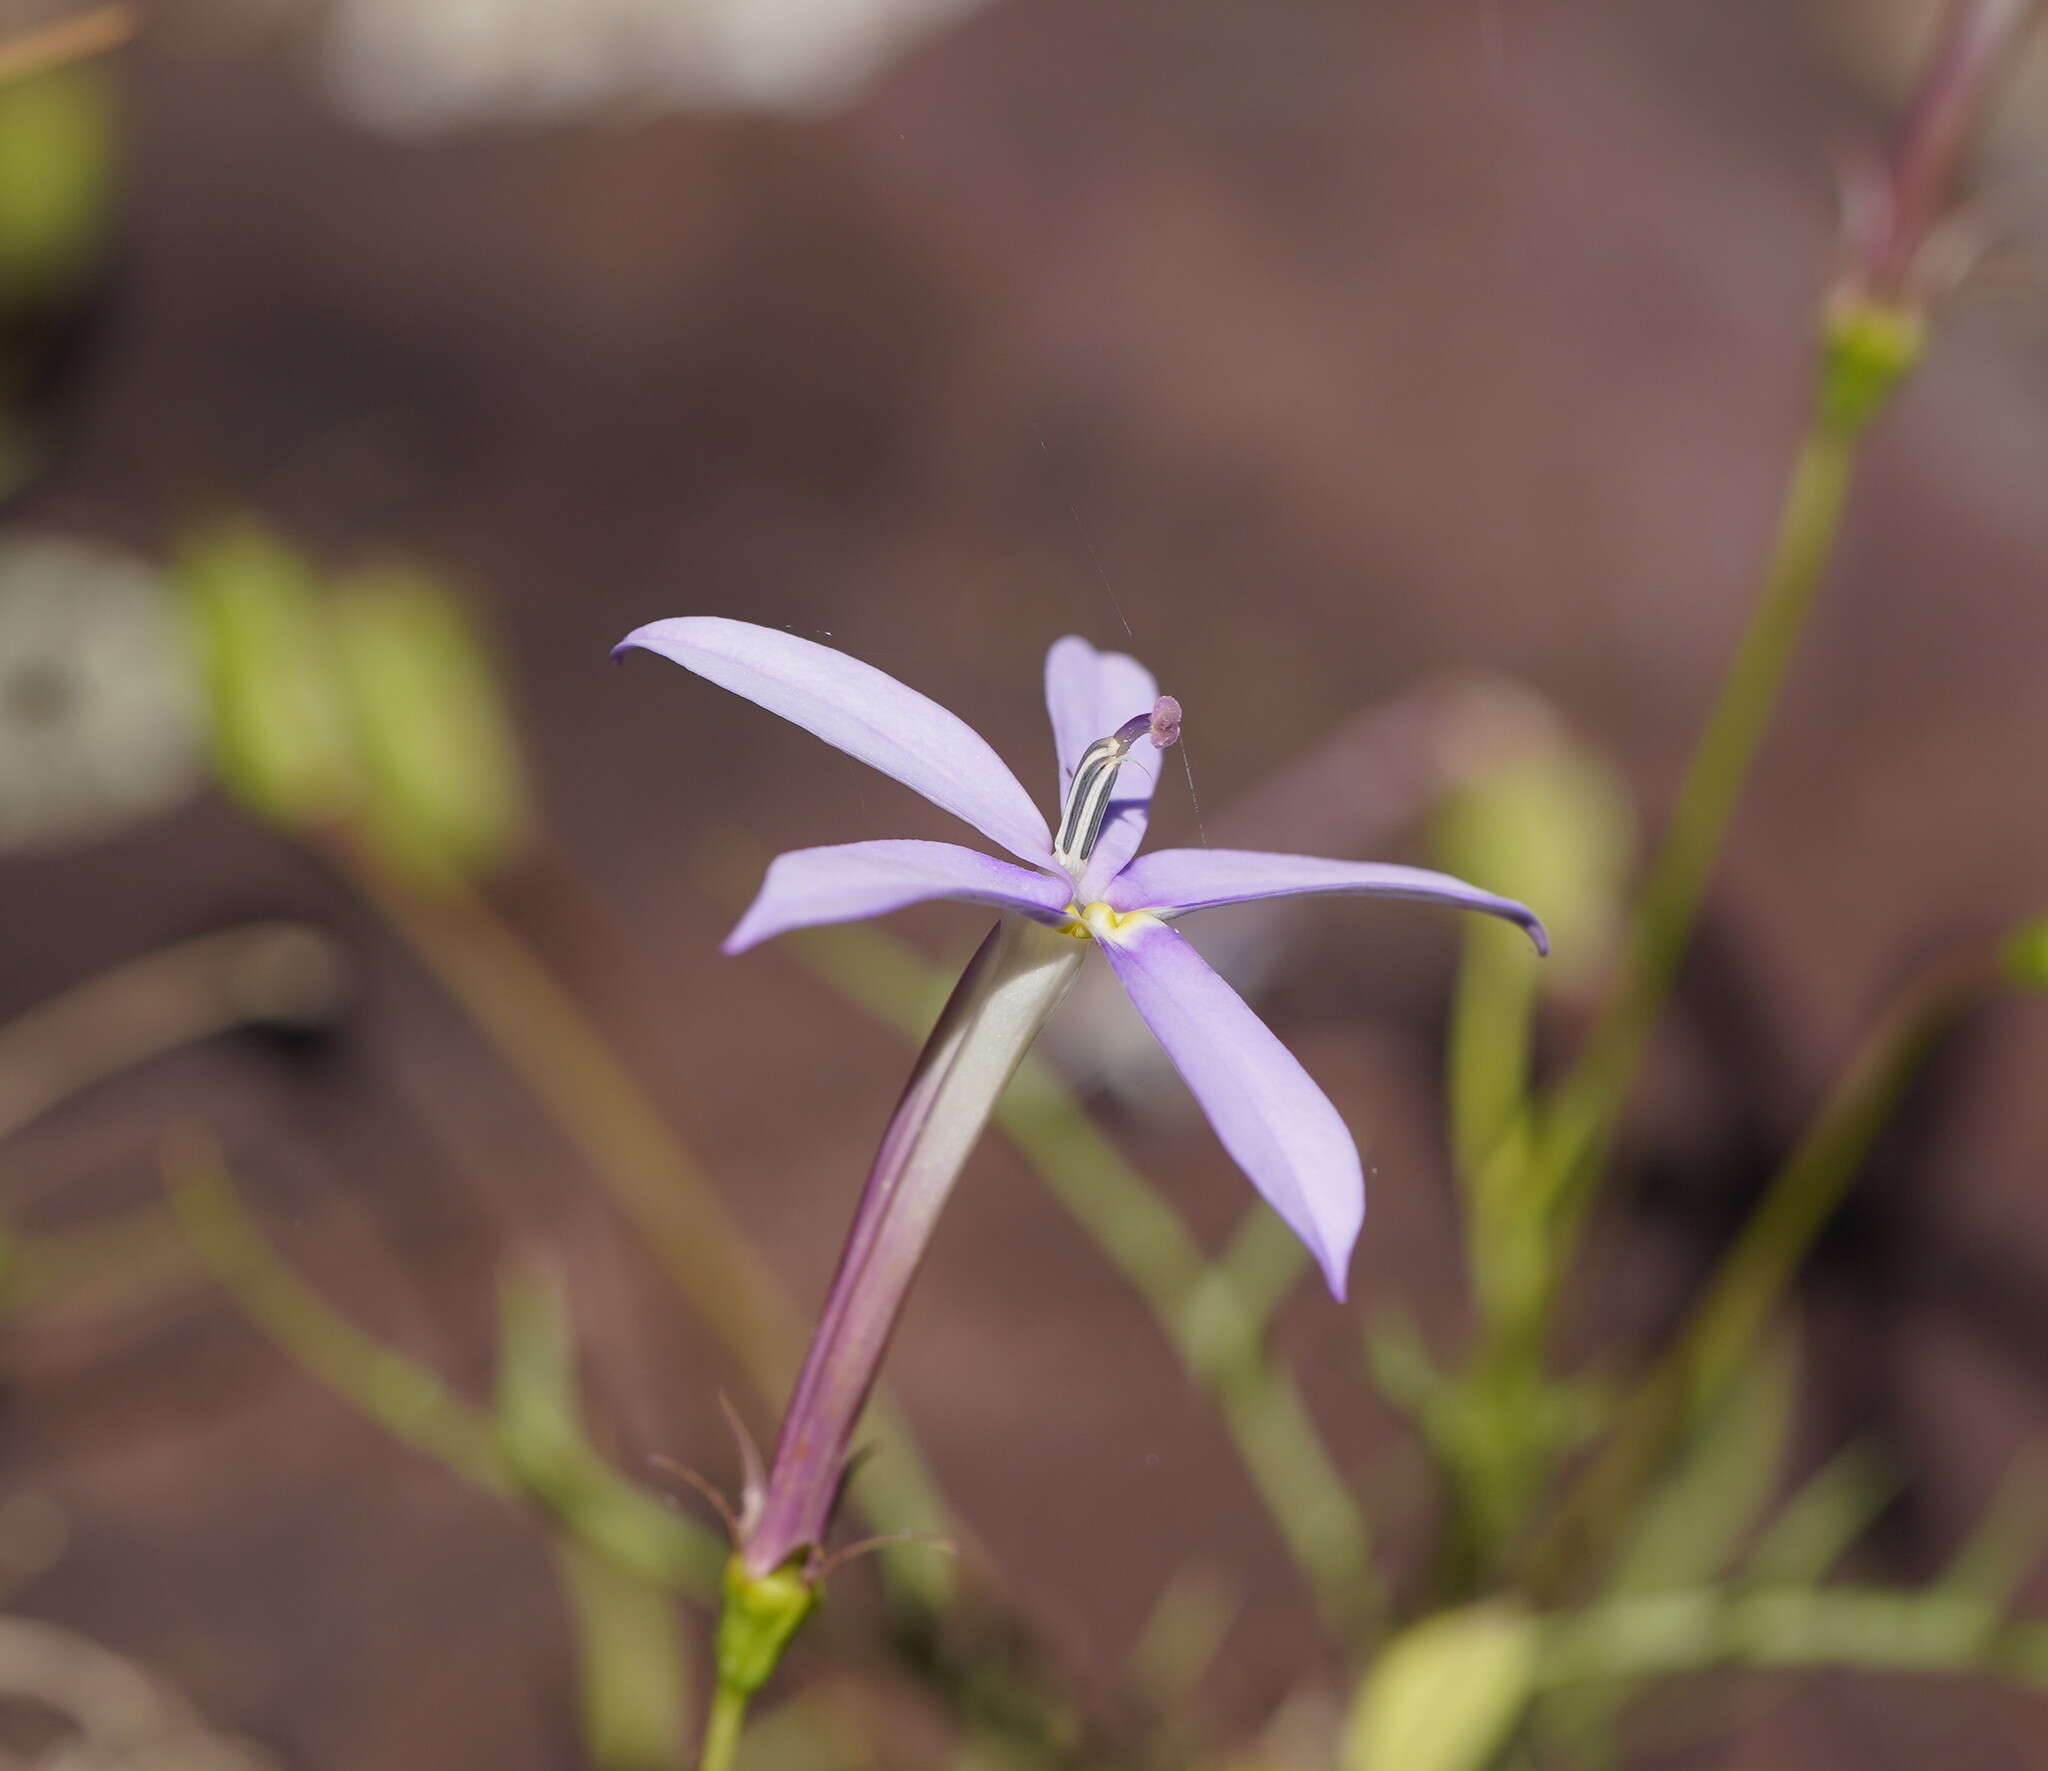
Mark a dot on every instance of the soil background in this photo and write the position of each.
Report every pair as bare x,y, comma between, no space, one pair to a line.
1308,350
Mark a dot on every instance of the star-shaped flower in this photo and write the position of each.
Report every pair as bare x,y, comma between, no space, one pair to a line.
1110,724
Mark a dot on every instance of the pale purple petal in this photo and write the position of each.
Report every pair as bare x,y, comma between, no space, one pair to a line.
1123,829
850,881
1274,1121
1173,880
866,713
1088,695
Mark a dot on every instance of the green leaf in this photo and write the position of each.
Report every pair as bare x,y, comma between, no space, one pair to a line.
1445,1694
1816,1527
1553,826
1185,1632
57,134
278,738
444,796
2025,955
1993,1565
1692,1525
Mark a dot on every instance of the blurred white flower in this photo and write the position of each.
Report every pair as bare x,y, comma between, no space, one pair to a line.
98,710
401,65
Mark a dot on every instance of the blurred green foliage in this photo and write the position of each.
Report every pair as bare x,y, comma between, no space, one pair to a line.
1552,824
1689,1527
276,723
540,1434
624,1554
369,706
2025,955
442,789
1446,1693
58,133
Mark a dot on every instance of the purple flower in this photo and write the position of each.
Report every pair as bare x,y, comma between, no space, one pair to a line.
1110,725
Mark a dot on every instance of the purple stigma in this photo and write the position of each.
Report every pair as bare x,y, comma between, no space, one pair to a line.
1165,722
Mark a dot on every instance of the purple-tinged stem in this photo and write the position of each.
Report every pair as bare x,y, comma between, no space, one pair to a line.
1973,54
1014,981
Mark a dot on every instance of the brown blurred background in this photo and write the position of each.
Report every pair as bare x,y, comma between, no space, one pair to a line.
1308,349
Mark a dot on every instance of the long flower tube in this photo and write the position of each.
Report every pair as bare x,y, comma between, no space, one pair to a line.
1013,983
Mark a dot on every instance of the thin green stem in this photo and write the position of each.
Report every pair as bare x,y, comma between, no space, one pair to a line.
722,1729
1867,1629
1753,1278
630,1659
402,1396
1492,1015
1583,1117
540,1433
547,1040
1866,349
277,973
531,1451
1758,1270
621,1554
542,1033
90,1272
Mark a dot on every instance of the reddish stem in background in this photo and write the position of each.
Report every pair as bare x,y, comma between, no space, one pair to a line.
1973,54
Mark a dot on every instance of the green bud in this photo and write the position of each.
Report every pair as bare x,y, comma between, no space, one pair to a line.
1867,345
2024,957
761,1613
56,179
1549,823
443,792
279,741
1446,1693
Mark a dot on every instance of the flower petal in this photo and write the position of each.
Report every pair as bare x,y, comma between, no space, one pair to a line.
866,713
849,881
1173,880
1277,1124
1089,694
1123,826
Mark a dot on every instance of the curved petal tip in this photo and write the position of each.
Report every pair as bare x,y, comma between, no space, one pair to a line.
631,643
